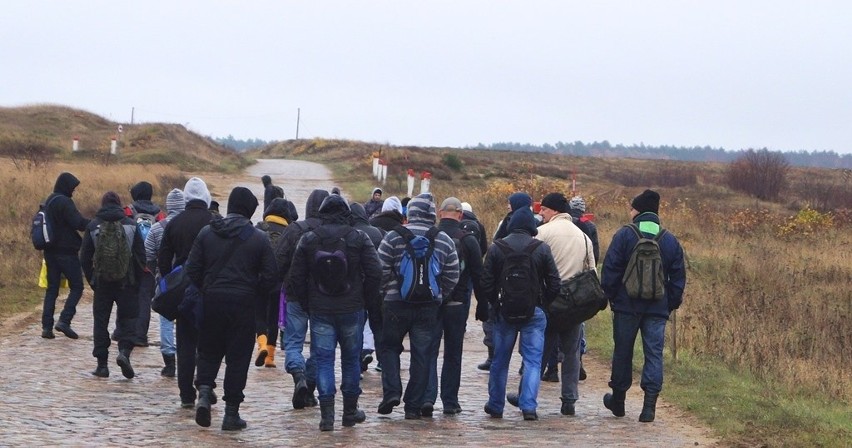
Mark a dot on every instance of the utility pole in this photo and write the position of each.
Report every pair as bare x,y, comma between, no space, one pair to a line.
298,116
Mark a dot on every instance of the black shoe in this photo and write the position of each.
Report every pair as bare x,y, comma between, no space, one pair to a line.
202,408
453,410
567,408
486,365
513,399
65,329
530,415
101,372
378,367
187,404
582,373
47,333
366,359
427,409
386,406
412,415
124,362
492,412
551,376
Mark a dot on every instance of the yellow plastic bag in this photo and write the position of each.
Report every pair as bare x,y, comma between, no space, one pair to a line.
42,277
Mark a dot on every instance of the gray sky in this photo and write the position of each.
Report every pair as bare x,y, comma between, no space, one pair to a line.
734,74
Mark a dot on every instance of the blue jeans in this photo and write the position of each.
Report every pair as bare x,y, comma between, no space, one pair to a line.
167,336
294,342
624,329
327,331
418,322
57,266
531,348
451,327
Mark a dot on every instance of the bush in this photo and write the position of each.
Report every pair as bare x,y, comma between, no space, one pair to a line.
27,154
761,174
452,162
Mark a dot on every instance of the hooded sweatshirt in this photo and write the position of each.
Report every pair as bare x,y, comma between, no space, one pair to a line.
287,243
141,194
175,203
360,222
179,235
517,200
65,217
373,206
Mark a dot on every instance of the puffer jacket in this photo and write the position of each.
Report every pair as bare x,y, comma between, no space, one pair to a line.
64,217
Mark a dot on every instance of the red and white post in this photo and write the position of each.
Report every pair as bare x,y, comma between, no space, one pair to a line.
410,182
425,180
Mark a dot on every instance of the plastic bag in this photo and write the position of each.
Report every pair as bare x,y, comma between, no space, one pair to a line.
42,277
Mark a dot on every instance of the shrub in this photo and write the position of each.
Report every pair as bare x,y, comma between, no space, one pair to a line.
761,174
452,162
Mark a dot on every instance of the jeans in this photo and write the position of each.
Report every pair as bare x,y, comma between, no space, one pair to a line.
624,329
294,342
570,342
146,293
57,266
187,346
418,322
167,337
327,331
227,331
531,348
452,324
125,300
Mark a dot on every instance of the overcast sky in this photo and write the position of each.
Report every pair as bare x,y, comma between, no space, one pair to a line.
732,74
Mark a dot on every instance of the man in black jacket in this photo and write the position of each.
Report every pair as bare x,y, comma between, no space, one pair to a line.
177,241
233,266
61,257
336,303
123,293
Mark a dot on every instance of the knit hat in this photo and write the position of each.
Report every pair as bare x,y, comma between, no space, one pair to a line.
555,202
242,202
422,209
392,203
110,198
648,201
175,202
451,204
142,191
519,200
577,203
523,220
196,189
466,207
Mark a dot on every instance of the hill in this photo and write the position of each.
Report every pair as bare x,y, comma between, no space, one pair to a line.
53,128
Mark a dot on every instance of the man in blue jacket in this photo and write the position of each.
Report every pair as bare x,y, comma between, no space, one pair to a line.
632,315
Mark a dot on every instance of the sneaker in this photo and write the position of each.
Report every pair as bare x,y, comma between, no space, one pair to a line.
187,404
124,362
65,329
427,409
567,408
47,333
513,399
378,367
366,359
530,416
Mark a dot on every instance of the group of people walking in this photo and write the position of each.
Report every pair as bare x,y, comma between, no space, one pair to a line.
350,273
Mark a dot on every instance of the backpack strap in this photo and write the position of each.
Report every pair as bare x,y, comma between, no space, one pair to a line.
432,233
404,232
507,249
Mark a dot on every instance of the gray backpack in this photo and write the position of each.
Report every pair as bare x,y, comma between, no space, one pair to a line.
644,278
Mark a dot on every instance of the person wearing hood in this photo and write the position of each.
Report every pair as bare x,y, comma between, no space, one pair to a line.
521,230
417,320
175,203
123,293
145,214
390,215
280,213
337,293
61,256
360,222
270,192
232,265
303,371
175,245
373,206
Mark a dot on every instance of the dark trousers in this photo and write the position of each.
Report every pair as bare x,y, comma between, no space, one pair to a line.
187,344
146,293
452,326
126,310
226,332
59,265
266,317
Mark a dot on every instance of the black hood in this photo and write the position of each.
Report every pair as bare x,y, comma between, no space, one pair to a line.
110,212
334,210
469,216
313,204
359,215
146,206
143,191
230,226
65,184
267,181
283,208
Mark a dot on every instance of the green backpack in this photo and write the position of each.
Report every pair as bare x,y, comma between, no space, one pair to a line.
112,252
644,277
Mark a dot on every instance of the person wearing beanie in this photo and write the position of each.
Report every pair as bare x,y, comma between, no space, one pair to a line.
417,320
233,263
214,209
175,246
122,293
521,228
175,203
337,300
632,316
374,205
390,215
61,257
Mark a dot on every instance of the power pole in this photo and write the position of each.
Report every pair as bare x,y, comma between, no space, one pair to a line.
298,116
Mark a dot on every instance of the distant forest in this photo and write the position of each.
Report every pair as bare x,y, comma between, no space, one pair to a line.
241,145
820,159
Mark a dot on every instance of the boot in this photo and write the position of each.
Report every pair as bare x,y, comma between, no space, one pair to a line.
300,389
102,371
649,408
327,416
551,375
202,406
169,369
270,358
261,351
615,402
232,420
351,413
487,364
123,361
310,399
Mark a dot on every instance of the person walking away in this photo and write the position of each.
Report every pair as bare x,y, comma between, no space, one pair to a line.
375,203
61,256
175,204
270,192
276,218
519,279
577,210
452,316
413,312
176,243
335,275
390,216
232,265
112,257
641,309
295,331
360,222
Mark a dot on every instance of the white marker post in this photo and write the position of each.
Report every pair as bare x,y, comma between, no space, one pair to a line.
113,146
75,145
410,182
375,166
384,176
425,180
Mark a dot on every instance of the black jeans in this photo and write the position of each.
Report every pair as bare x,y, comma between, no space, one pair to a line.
146,293
124,298
187,345
266,317
226,332
59,265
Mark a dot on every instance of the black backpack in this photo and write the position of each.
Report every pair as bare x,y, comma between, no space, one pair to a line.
458,239
42,229
330,266
518,283
419,268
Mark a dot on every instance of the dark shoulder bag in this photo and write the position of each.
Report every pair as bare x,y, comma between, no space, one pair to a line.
579,298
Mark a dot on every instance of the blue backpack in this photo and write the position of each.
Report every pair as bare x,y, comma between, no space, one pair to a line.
419,267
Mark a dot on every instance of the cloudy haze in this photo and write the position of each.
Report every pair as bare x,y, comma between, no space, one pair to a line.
732,74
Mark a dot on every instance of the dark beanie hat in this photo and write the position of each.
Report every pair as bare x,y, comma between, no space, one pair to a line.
556,202
242,202
110,198
523,220
648,201
519,200
142,191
